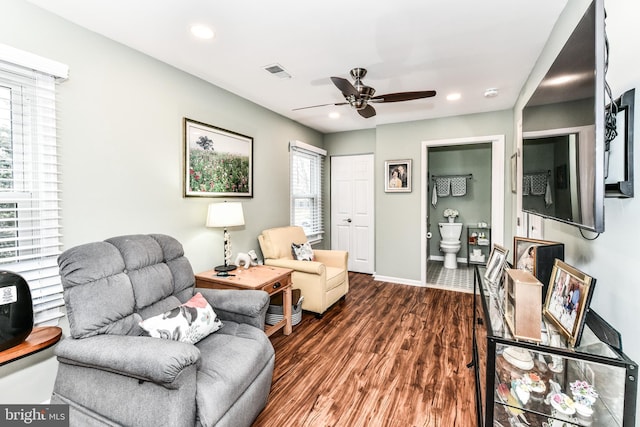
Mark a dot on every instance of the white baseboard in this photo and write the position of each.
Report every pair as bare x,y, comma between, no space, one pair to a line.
398,280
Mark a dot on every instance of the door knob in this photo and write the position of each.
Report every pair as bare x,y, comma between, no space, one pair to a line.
348,220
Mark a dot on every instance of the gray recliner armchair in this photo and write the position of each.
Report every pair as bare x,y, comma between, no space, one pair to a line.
111,374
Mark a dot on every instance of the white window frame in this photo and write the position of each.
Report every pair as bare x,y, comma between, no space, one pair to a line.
34,192
314,228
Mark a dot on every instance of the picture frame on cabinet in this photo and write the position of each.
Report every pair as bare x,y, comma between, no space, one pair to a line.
537,257
496,264
568,300
217,162
397,176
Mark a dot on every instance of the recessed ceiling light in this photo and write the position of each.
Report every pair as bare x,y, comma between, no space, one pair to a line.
453,97
491,93
202,31
334,115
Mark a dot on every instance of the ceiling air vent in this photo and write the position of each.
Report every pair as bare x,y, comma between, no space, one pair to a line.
278,71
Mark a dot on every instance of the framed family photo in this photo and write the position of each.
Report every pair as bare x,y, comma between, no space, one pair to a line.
496,263
397,176
217,162
537,257
525,251
568,300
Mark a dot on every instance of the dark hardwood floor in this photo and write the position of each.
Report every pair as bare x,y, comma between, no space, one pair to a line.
388,355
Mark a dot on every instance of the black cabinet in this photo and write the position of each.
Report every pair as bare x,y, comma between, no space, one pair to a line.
520,383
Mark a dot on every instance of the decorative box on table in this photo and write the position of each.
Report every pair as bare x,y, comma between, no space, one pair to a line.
523,304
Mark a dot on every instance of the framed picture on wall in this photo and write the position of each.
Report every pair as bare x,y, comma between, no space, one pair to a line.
217,162
397,176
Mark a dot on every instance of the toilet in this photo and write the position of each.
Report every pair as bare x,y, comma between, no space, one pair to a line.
450,242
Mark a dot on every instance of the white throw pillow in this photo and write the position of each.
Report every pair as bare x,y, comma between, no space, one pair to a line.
190,322
302,252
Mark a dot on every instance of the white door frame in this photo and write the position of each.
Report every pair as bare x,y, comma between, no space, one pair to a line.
497,190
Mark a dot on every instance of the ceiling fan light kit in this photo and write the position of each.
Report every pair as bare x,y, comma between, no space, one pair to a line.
359,96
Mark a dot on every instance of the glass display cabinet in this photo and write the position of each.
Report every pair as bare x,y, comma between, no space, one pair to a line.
522,383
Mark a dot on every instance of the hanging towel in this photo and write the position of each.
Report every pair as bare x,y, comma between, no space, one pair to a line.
458,186
526,185
548,199
444,186
434,195
538,184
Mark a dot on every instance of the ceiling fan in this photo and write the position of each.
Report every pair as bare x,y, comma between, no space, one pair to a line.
360,96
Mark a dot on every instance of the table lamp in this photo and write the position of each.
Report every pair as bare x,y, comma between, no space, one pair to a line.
224,215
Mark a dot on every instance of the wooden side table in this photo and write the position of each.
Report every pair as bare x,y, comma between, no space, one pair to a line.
273,280
41,337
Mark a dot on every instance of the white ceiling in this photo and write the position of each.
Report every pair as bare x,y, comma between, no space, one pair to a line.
464,46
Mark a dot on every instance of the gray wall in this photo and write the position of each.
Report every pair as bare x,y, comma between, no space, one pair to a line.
613,256
404,141
339,144
473,207
120,119
353,142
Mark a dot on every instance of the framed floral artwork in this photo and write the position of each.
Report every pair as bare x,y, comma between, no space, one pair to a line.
217,162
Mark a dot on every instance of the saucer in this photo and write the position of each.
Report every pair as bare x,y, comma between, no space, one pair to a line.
518,357
563,404
534,382
583,409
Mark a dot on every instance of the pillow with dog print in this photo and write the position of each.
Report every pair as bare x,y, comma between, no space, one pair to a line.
189,322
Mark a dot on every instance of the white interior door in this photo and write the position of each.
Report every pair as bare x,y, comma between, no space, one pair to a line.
352,221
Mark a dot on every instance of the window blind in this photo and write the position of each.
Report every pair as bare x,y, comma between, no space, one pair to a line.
306,175
30,214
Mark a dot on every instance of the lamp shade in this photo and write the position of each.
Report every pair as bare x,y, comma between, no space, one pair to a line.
225,214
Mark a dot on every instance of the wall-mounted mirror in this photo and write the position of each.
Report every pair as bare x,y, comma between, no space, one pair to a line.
558,174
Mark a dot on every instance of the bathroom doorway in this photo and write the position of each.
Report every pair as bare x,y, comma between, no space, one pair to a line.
453,160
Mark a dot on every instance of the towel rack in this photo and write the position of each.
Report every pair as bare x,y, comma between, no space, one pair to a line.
468,176
548,172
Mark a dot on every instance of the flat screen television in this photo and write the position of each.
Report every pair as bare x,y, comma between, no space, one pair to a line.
563,131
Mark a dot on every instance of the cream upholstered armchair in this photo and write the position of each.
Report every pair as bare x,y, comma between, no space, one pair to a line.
322,282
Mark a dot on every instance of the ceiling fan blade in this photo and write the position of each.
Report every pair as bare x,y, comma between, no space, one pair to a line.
345,87
367,112
320,105
403,96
